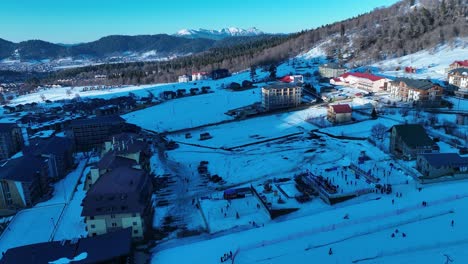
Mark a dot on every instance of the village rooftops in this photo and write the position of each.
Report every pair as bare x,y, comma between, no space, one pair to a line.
128,143
438,160
98,249
280,85
21,169
415,83
413,135
342,108
110,119
117,192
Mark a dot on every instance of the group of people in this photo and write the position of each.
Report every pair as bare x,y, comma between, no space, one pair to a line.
396,232
226,257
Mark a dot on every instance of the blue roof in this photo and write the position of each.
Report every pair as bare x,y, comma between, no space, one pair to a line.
438,160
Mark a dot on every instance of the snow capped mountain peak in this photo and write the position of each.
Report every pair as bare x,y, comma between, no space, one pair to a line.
218,34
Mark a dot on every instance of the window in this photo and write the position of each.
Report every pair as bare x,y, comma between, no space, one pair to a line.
112,215
134,223
93,226
91,217
135,231
133,215
94,234
114,224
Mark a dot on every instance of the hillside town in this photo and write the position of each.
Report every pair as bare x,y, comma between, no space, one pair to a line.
110,170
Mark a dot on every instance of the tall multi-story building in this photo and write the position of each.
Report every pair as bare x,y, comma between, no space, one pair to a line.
11,140
91,133
281,95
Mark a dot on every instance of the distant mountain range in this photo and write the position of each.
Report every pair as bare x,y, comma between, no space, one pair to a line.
219,34
159,46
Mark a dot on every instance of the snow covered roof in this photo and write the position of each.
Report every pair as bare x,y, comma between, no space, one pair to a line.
341,108
438,160
15,169
459,71
96,249
279,85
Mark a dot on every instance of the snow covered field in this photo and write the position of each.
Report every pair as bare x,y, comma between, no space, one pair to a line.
430,64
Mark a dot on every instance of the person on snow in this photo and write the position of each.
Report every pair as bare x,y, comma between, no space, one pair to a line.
330,252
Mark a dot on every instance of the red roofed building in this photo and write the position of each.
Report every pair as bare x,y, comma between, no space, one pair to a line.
459,64
292,79
365,81
340,113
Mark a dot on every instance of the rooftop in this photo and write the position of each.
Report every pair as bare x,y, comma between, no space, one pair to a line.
22,169
341,108
280,85
110,119
415,83
122,190
332,65
414,135
362,76
438,160
54,145
460,71
463,63
6,127
98,249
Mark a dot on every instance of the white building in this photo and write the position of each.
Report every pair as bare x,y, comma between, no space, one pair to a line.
184,78
199,76
365,81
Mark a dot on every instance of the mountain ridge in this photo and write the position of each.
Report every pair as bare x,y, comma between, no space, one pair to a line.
219,34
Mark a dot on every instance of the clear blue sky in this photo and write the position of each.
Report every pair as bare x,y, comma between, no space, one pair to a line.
72,21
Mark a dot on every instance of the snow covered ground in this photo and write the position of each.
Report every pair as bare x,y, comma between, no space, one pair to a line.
56,219
430,64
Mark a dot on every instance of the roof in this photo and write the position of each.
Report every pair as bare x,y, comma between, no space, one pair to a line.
118,191
54,145
111,161
460,71
415,83
341,108
98,249
129,143
438,160
413,135
7,127
280,85
463,63
109,119
362,76
22,169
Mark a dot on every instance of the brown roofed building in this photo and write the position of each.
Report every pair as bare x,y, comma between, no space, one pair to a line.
120,198
421,92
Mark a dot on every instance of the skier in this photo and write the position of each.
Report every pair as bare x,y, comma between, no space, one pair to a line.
393,201
403,234
330,252
393,235
453,223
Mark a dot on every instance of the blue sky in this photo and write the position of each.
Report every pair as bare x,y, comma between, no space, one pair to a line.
72,21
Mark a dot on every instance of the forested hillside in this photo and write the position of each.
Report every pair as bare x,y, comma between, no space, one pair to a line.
405,27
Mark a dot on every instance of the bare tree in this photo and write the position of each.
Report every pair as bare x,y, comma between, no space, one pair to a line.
378,131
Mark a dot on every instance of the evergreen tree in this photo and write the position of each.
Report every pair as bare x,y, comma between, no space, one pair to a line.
272,71
253,73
